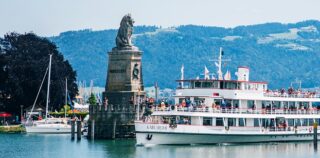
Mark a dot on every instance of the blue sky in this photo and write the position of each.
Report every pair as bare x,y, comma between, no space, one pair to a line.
50,17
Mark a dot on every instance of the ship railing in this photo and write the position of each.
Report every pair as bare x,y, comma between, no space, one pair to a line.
292,95
294,111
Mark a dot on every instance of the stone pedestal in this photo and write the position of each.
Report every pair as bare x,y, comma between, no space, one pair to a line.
124,91
124,70
124,76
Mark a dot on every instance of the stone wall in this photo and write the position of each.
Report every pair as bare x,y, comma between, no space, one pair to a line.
113,121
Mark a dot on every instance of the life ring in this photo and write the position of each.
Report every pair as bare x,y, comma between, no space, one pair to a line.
226,128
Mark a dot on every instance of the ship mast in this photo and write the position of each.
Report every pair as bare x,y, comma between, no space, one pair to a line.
219,64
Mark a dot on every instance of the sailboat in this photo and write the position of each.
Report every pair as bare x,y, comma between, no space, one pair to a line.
48,124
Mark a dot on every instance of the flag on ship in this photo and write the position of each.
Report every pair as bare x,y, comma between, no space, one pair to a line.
206,73
182,69
217,65
227,76
182,75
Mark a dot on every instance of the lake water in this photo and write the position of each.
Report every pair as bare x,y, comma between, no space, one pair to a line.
60,146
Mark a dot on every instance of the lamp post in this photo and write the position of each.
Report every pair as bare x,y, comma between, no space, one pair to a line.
21,113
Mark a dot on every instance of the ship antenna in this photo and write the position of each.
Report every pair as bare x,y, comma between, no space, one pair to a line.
219,64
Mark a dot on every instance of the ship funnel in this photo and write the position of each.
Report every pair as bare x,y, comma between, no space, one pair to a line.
243,73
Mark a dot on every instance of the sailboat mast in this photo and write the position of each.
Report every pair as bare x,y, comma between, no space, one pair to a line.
66,101
48,87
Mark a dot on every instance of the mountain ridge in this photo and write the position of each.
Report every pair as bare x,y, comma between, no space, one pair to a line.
276,53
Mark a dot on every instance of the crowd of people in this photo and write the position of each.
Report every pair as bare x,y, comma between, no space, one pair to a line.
291,92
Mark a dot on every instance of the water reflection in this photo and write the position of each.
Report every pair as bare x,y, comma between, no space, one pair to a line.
274,150
48,146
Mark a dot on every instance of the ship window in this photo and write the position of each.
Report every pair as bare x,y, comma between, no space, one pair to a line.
181,100
276,104
207,121
305,122
221,85
216,84
231,122
235,104
265,123
197,84
297,122
238,85
218,101
285,105
250,104
242,122
292,105
219,121
207,84
310,122
198,101
184,120
290,122
256,122
231,85
246,86
302,105
316,105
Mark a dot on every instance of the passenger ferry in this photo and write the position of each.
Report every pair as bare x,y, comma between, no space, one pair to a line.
210,111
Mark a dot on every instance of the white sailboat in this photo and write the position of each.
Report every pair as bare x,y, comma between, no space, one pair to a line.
48,125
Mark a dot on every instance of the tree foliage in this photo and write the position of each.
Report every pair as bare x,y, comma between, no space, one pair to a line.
92,99
24,61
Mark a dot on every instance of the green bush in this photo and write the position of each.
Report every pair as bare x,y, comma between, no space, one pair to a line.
77,114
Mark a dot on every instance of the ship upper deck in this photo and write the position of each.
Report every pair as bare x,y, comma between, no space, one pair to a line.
241,89
237,113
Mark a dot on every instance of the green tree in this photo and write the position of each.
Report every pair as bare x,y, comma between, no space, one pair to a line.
65,108
92,99
26,58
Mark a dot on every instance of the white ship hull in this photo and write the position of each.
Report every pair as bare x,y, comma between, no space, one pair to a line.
49,129
147,134
183,138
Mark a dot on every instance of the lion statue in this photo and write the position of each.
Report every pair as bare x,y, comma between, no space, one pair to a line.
125,31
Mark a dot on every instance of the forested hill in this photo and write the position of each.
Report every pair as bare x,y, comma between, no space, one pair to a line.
276,53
